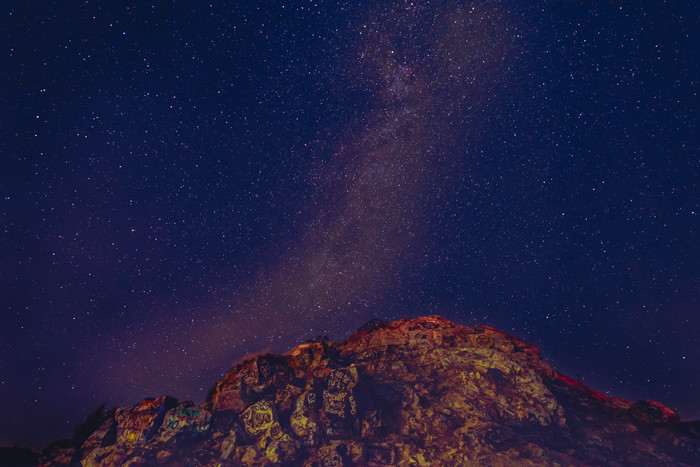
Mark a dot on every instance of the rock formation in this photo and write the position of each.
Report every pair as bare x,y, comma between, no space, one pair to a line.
412,392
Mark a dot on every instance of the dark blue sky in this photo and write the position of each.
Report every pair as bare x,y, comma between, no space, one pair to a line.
183,184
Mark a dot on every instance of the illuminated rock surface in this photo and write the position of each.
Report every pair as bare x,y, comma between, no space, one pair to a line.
412,392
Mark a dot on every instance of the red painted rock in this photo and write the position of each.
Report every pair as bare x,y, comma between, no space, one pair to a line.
230,398
648,411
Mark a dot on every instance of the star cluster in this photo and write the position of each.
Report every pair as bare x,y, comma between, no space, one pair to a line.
185,183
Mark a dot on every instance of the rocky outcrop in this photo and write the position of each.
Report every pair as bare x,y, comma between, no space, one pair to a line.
412,392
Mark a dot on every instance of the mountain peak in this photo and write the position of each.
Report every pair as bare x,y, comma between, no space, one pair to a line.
422,391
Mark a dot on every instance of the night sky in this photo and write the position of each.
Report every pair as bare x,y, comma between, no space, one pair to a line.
184,183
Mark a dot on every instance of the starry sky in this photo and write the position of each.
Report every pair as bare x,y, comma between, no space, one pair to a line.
186,183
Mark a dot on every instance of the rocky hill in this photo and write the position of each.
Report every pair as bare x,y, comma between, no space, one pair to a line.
412,392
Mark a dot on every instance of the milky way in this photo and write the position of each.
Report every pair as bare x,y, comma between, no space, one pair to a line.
426,70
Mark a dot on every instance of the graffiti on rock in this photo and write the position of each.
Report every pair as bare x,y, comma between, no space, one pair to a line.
484,341
259,417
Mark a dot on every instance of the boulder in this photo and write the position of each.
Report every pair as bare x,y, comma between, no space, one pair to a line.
139,423
185,419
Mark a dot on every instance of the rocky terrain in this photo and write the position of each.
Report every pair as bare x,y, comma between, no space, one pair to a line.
412,392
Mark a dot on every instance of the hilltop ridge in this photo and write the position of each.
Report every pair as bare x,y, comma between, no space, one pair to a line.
421,391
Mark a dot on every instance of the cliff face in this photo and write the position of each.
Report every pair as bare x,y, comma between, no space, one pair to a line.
423,391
